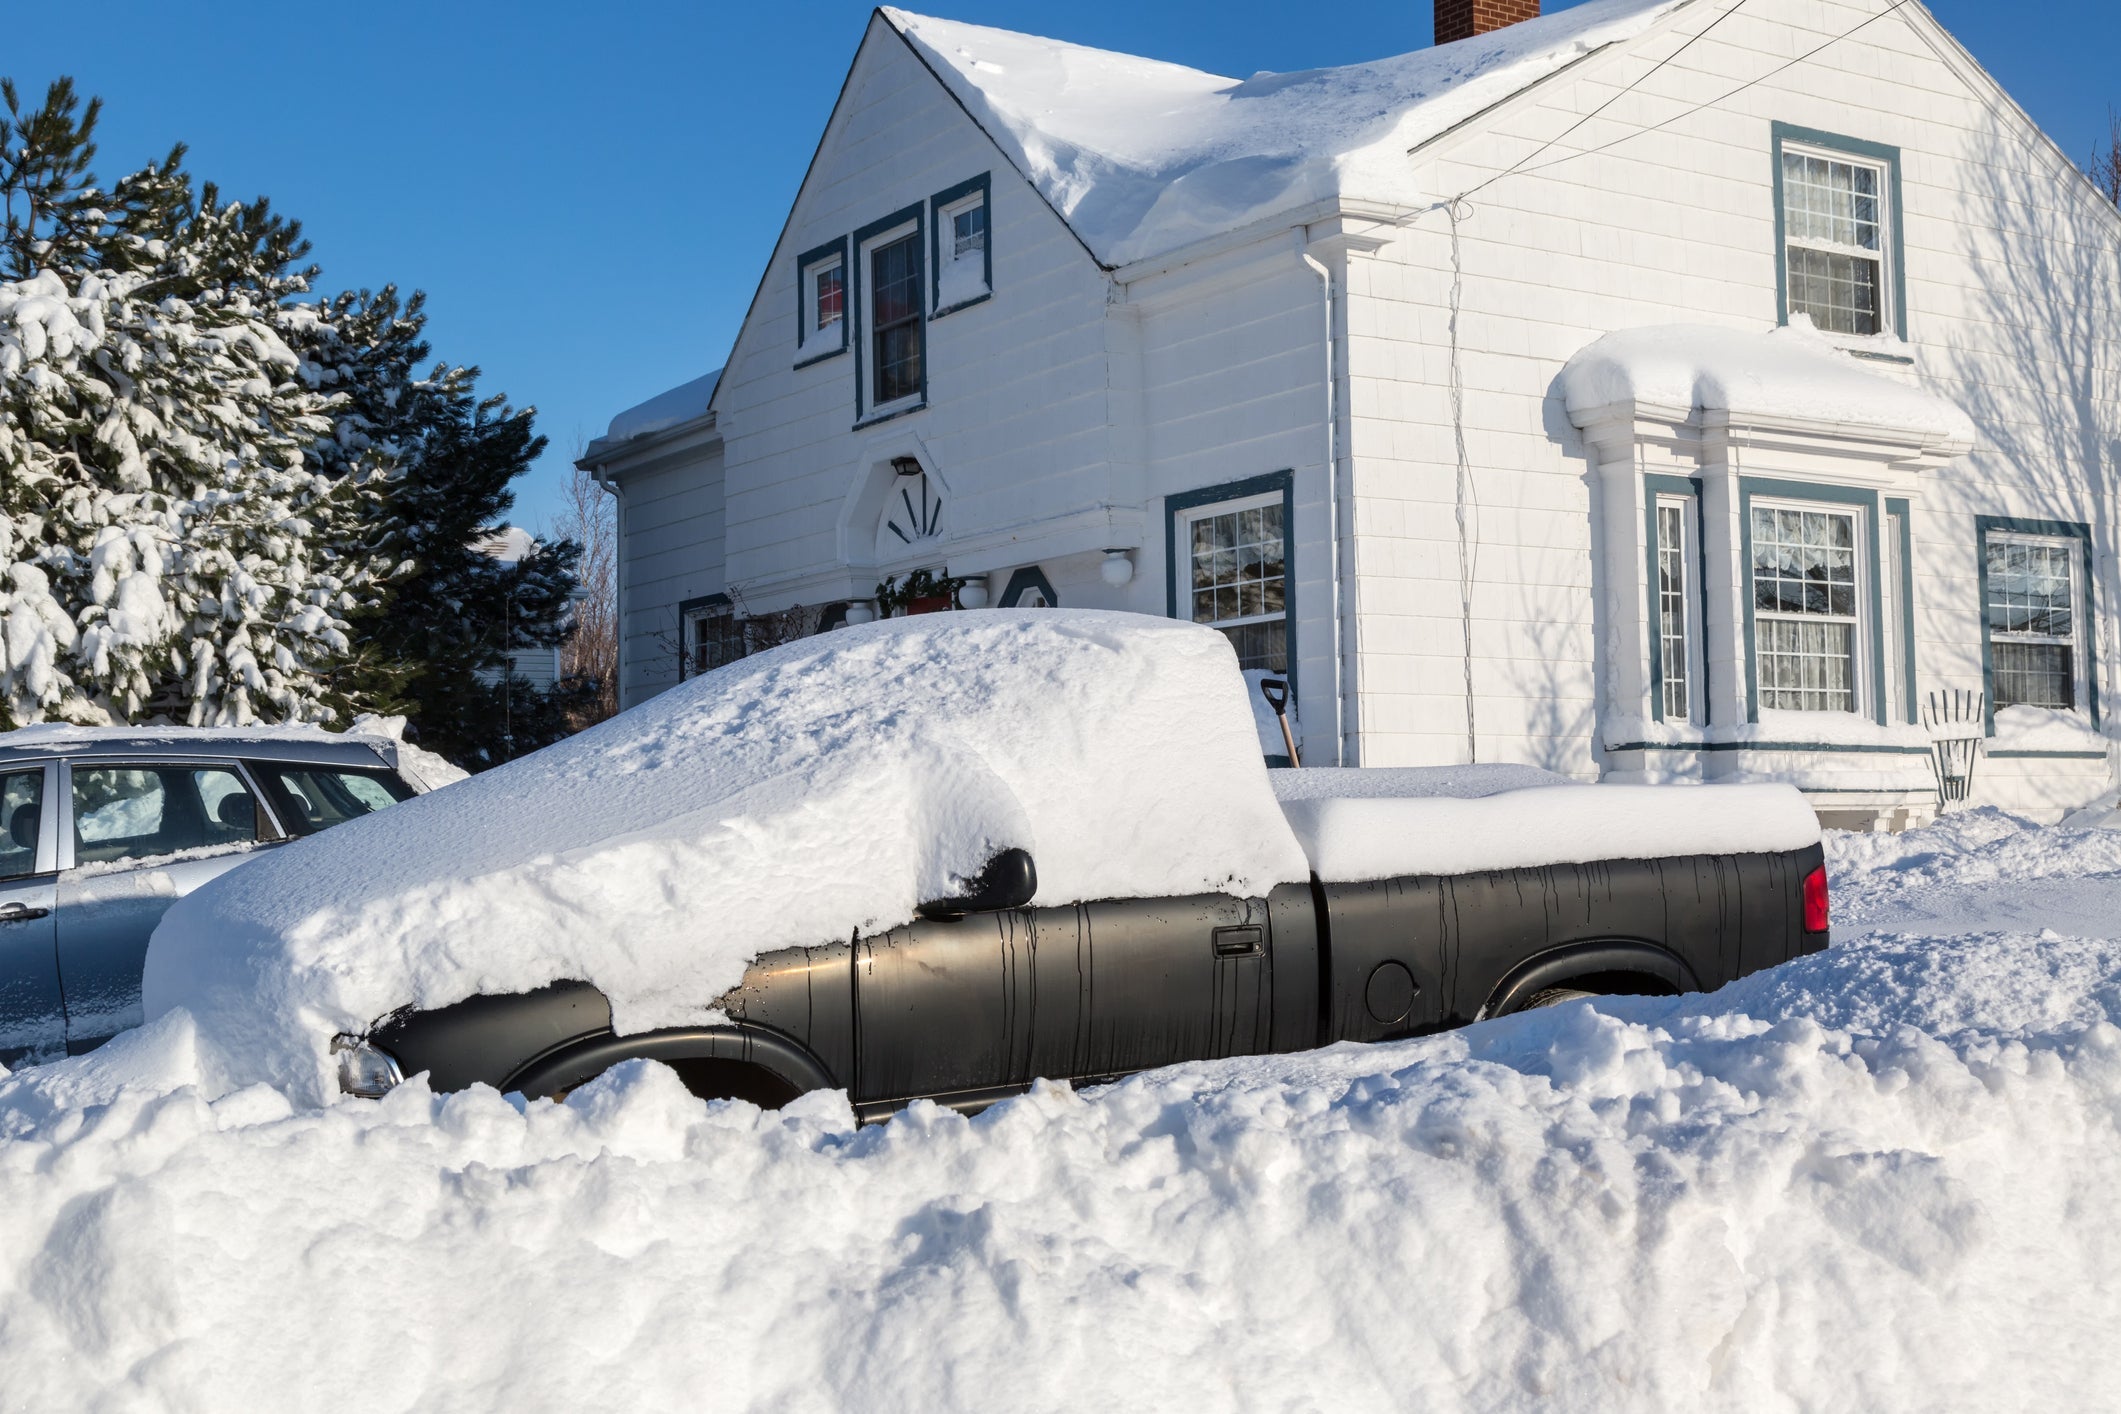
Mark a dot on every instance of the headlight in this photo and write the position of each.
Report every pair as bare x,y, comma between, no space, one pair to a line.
365,1070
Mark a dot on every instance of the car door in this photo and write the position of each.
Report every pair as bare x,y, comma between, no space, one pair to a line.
1176,979
967,1010
32,1008
142,835
974,1009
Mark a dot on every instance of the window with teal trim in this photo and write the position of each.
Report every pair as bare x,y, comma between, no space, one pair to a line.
1806,608
1235,576
2032,620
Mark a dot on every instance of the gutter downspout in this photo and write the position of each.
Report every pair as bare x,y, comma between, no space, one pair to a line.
1340,714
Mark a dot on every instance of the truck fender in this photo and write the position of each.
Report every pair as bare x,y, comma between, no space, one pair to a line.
1573,962
581,1061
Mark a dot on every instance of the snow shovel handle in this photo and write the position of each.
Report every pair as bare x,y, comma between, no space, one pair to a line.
1276,691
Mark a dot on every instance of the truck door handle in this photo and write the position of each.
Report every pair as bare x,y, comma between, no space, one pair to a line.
21,913
1250,940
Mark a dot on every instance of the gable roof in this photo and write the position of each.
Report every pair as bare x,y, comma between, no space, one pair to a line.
1141,157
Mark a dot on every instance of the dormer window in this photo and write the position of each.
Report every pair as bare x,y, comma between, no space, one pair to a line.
821,302
964,259
1838,206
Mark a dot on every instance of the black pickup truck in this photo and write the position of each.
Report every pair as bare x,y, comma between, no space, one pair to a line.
982,995
1114,878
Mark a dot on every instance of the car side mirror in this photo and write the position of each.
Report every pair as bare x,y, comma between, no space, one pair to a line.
1008,881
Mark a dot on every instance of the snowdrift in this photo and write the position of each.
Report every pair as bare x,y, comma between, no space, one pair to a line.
1879,1178
794,796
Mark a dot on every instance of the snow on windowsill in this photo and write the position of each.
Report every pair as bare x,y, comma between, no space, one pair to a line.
2045,729
1824,730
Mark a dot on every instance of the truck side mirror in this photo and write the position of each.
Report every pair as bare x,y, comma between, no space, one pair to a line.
1008,881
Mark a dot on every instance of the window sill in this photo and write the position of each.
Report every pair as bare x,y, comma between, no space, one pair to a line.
950,309
810,359
872,419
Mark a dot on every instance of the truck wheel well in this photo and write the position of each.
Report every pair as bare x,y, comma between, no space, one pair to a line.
732,1062
1613,966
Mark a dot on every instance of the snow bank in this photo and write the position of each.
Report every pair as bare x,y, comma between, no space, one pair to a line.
1142,157
1793,372
1458,832
793,797
1880,1178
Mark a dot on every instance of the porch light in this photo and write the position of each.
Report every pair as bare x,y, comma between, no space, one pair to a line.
906,466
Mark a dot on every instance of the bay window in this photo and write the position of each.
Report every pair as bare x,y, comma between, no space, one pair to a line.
1806,608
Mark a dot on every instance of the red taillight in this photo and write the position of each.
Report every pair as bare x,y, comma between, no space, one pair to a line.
1815,901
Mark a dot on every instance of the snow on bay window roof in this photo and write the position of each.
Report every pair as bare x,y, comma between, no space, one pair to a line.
1142,157
1792,374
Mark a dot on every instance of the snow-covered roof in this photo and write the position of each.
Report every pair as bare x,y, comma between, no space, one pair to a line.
671,408
511,545
1142,157
1789,374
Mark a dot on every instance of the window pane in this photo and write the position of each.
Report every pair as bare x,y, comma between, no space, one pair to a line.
1238,572
21,817
1806,666
140,812
2034,675
1839,291
831,297
895,318
968,230
1671,609
316,798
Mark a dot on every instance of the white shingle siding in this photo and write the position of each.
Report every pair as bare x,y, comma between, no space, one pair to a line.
1063,410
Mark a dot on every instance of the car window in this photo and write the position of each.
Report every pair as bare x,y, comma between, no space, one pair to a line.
21,812
315,798
140,812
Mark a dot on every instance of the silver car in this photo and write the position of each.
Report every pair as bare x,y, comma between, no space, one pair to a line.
101,831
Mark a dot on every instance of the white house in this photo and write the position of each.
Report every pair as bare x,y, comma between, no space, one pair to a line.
1660,389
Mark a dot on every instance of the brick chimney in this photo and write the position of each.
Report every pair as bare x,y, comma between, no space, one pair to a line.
1462,19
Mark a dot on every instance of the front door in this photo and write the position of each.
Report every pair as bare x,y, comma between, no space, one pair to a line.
32,1011
143,836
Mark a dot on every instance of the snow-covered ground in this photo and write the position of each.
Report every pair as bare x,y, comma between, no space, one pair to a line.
1881,1178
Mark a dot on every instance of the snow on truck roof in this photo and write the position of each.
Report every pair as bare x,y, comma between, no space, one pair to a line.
1142,157
829,786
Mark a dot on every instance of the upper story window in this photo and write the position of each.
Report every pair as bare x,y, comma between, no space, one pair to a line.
828,296
1840,240
2033,618
895,319
821,301
964,259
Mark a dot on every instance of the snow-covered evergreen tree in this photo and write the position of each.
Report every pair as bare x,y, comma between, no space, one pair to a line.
170,545
222,498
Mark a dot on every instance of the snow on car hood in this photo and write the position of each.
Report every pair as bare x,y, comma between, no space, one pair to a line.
789,798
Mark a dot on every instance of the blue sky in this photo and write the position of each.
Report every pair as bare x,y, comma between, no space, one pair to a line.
588,193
